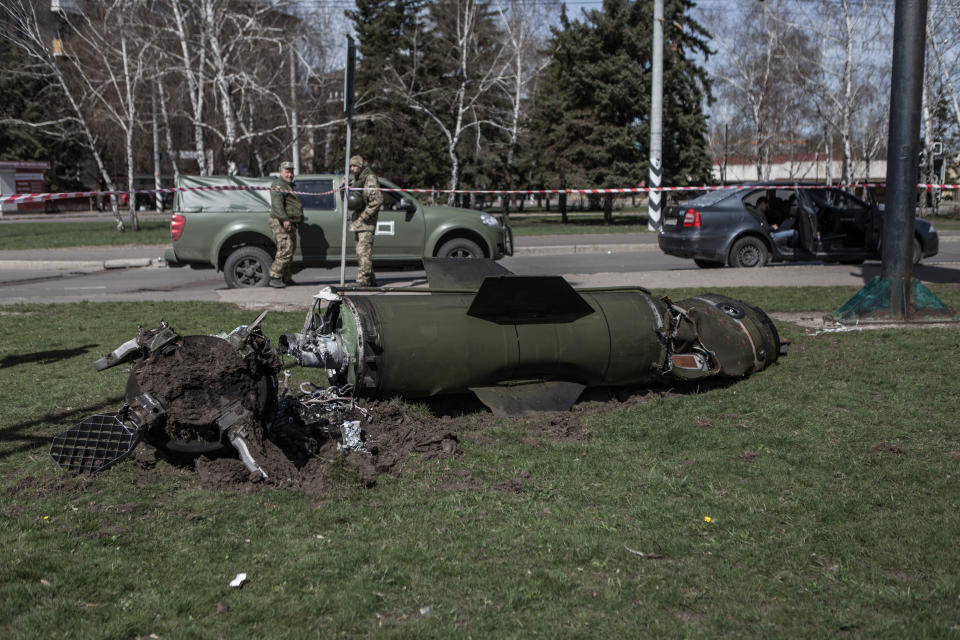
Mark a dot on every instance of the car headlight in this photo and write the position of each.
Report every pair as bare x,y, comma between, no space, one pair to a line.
489,220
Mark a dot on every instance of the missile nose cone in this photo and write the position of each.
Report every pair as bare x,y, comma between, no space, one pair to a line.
741,337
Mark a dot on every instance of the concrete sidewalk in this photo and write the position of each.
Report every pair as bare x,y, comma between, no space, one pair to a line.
22,266
83,258
814,275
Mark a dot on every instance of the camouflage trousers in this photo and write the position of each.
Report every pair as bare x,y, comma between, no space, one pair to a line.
365,277
286,245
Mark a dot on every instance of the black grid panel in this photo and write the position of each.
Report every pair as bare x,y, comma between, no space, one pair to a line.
94,444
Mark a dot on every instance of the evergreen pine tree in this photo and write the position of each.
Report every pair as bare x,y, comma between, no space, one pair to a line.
590,125
394,141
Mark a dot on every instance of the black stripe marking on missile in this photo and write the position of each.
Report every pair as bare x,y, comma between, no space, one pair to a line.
513,299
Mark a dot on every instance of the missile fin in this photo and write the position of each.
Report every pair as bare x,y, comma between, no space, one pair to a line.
458,273
513,299
526,398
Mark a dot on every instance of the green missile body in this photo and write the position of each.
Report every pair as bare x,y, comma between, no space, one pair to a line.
525,343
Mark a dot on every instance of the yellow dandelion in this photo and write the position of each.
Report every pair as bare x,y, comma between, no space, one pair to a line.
707,519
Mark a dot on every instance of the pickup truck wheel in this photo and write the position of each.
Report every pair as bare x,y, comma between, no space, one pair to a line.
460,248
748,252
247,267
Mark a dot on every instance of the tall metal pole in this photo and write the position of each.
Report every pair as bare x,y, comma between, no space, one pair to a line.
656,121
158,197
906,89
294,128
348,112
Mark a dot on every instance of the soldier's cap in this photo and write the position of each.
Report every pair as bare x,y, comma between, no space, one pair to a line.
286,165
356,161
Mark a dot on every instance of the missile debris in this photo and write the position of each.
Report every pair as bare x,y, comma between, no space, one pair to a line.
185,394
521,344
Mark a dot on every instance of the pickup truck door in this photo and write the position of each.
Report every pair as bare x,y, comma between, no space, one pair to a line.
400,226
319,240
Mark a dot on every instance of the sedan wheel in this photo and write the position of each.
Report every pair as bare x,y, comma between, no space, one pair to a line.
748,252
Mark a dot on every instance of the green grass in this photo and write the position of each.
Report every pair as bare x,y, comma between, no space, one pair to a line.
50,235
945,224
830,480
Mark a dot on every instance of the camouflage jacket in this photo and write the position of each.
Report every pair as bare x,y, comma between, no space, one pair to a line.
366,219
285,206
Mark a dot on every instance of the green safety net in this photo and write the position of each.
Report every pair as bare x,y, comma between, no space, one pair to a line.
872,303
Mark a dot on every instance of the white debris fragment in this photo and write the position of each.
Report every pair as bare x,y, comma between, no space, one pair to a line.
350,437
426,611
328,294
237,582
837,328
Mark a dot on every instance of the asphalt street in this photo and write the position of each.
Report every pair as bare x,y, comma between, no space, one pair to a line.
601,260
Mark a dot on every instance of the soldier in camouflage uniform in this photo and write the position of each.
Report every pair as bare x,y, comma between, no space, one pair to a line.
363,221
286,213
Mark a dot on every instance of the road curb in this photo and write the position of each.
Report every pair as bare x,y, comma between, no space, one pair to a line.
78,265
127,263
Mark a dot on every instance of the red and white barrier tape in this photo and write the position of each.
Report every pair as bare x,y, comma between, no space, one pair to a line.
44,197
62,195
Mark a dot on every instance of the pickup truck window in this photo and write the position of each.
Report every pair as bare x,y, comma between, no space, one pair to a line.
324,201
391,200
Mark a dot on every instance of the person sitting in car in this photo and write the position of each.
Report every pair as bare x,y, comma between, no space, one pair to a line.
783,231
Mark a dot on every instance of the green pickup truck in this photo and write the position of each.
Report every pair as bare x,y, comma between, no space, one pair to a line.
227,229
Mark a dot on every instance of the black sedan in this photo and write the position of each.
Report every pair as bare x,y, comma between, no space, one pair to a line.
750,225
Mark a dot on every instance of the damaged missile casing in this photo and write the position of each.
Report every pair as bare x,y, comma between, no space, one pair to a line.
529,342
192,395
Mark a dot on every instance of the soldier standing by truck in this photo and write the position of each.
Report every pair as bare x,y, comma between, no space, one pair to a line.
286,213
363,220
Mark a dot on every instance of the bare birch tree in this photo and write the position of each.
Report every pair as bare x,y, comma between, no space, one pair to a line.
522,26
465,66
69,79
755,78
841,74
112,70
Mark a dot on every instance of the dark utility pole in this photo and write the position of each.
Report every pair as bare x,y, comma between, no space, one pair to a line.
895,296
906,91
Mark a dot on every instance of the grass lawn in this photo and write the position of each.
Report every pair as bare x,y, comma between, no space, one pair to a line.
51,235
818,498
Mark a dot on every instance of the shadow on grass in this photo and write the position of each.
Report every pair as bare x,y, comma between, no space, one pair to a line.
18,438
464,404
928,273
44,357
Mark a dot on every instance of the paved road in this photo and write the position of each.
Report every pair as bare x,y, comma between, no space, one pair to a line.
136,273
